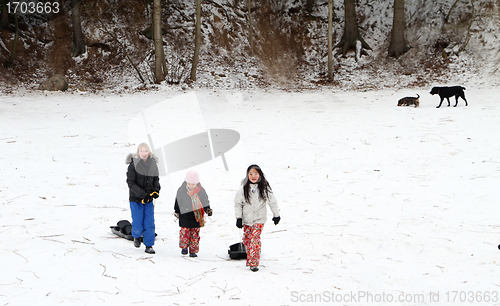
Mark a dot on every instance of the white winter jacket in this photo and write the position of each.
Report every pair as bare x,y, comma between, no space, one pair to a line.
256,211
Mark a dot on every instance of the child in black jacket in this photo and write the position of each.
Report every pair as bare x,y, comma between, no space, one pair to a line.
144,186
190,206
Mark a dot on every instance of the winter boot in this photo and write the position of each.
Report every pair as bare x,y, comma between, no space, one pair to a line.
193,255
184,251
150,250
137,242
254,269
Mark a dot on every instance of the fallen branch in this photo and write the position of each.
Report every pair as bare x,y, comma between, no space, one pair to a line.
50,236
21,256
225,290
104,273
283,230
200,276
84,242
16,198
53,240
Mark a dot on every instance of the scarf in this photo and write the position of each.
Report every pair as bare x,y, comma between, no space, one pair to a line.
197,206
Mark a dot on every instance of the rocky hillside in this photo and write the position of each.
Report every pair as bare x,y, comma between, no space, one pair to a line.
451,41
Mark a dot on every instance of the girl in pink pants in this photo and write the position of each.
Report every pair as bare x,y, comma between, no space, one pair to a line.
251,212
191,204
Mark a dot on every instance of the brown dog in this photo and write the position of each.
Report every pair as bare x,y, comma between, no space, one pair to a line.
407,101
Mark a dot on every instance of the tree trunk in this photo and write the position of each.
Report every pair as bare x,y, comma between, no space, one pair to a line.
10,60
447,18
60,50
5,16
309,6
78,41
250,30
351,31
330,38
398,46
160,70
197,39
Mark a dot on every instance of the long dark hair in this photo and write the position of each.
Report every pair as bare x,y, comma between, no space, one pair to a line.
263,184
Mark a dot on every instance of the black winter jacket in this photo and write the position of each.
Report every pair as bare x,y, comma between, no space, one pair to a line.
184,207
142,177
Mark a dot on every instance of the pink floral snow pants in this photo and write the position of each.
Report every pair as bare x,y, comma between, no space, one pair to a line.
189,238
251,240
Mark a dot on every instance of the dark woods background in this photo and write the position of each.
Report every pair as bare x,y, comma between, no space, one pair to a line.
101,43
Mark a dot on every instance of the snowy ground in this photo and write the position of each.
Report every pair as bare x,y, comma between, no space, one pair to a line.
379,203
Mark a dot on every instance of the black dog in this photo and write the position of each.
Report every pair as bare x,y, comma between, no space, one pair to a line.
448,92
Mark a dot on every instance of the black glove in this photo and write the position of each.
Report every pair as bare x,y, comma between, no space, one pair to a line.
276,220
147,199
155,194
209,212
239,223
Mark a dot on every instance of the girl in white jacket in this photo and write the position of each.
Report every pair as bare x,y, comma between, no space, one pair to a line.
251,212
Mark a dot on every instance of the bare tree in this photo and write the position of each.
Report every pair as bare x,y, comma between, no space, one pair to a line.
78,41
10,60
351,31
250,30
60,50
474,17
398,46
5,16
197,39
309,6
330,38
447,18
160,66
